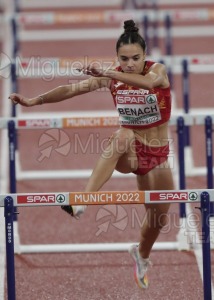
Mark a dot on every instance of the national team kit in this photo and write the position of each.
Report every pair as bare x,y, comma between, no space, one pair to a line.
141,109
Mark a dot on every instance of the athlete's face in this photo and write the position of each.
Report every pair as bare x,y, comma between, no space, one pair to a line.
131,58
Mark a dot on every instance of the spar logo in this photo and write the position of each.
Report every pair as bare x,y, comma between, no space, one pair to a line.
170,196
37,123
174,196
60,198
193,196
151,99
36,199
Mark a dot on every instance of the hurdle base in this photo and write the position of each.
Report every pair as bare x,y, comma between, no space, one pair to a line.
95,247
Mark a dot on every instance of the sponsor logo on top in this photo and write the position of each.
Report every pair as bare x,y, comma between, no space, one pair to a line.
37,123
173,196
36,199
40,123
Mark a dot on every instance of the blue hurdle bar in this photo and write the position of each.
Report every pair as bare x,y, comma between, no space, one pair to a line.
12,165
185,78
9,213
14,89
155,24
14,83
168,51
209,156
145,25
205,212
181,162
12,159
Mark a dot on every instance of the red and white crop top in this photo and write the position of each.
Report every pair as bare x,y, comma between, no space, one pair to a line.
139,108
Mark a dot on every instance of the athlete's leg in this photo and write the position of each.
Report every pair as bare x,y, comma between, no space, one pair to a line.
159,178
119,155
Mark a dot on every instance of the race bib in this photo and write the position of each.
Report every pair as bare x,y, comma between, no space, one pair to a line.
137,108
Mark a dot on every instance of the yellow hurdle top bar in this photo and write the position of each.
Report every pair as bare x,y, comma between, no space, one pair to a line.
107,197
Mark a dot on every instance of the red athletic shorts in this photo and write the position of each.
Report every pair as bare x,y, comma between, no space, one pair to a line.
149,157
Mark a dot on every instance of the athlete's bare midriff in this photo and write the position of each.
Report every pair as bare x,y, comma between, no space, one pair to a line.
155,136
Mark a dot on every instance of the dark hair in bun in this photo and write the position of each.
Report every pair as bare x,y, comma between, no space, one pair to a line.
129,26
130,36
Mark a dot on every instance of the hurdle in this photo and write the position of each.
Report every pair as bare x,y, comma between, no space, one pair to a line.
35,67
82,3
93,121
107,198
34,175
72,121
111,16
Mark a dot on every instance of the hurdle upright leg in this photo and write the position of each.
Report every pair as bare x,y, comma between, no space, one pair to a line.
145,25
209,156
205,214
186,98
12,160
181,161
182,241
8,213
12,172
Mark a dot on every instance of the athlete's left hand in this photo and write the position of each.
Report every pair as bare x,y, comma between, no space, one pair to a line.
93,70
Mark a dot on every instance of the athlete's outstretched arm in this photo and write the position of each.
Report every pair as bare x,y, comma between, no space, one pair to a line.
156,76
63,92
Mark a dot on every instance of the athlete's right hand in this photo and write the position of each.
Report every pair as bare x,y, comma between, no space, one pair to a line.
19,99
